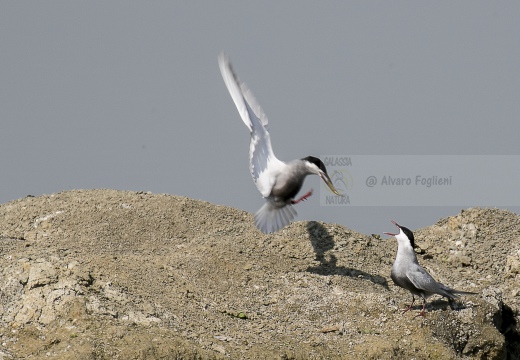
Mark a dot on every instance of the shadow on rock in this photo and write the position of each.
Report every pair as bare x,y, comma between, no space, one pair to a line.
443,304
322,242
439,304
505,321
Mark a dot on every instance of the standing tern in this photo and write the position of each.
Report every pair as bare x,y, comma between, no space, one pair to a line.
279,182
408,274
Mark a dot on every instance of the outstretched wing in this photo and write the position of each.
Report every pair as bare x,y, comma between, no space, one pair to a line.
263,164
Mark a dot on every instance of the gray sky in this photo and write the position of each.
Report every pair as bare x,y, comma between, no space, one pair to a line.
128,95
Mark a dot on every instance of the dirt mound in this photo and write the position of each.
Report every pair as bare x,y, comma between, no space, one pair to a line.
104,274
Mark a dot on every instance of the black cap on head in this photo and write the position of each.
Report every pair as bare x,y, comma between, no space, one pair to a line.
317,162
409,235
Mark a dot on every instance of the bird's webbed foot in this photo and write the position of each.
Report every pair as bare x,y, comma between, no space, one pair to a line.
409,307
423,311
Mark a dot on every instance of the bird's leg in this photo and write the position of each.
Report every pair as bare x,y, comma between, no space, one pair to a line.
411,305
423,311
303,198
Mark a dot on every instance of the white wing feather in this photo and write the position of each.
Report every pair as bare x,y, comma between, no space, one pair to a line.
263,164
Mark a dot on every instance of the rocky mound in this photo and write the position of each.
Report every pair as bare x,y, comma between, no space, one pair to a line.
104,274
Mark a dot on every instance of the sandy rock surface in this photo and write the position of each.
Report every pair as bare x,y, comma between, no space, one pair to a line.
105,274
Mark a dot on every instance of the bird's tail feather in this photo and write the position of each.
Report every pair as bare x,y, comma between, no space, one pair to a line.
271,218
455,293
458,292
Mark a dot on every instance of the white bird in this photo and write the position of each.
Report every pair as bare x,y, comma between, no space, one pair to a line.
408,274
278,182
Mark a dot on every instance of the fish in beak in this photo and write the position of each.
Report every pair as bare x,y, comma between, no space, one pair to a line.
327,181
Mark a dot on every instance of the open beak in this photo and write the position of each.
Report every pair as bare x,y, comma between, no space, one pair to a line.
392,234
327,180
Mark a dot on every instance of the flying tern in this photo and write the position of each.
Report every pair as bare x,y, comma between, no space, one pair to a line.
279,182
